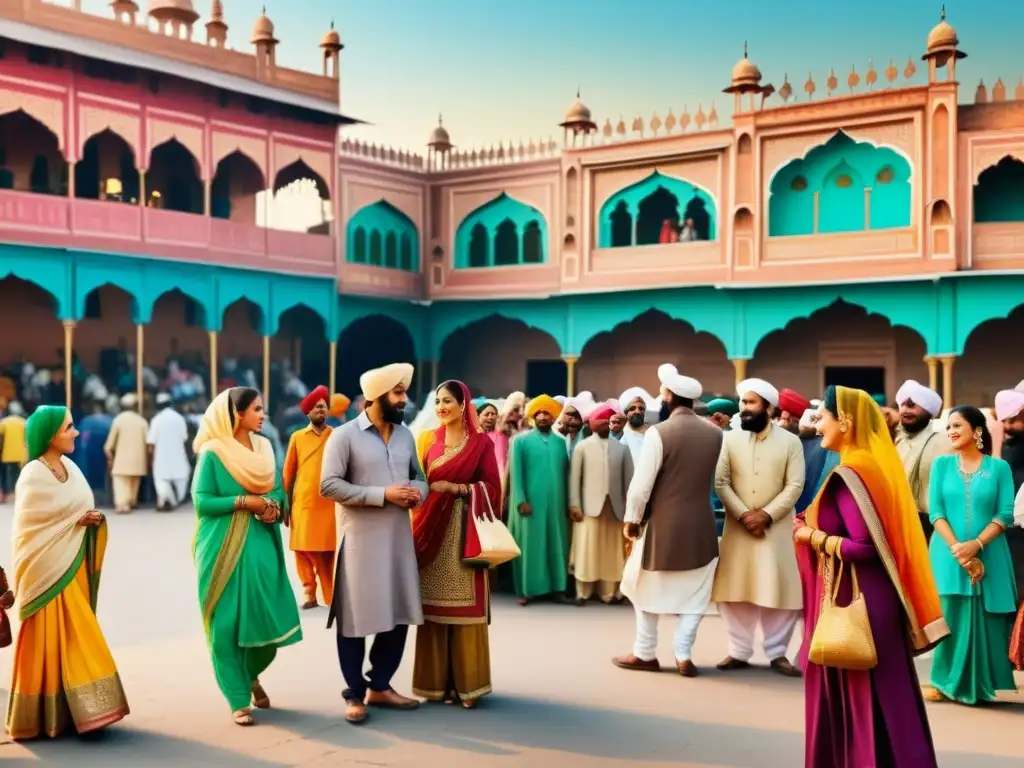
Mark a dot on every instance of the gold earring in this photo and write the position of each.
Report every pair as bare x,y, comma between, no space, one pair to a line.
977,440
845,422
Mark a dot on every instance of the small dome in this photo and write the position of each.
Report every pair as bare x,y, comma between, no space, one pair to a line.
439,137
942,36
263,29
578,112
331,40
178,10
745,72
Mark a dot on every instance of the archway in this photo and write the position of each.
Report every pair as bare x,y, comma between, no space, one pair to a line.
30,156
237,185
999,192
302,200
653,201
39,339
177,331
495,356
629,356
506,244
107,170
172,181
371,342
621,226
241,333
653,211
987,365
301,342
840,344
499,224
400,239
105,340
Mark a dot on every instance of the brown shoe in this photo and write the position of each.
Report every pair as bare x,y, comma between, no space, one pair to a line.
784,668
728,664
687,668
637,665
355,712
390,699
309,604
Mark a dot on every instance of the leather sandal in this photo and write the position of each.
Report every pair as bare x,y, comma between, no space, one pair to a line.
260,700
243,717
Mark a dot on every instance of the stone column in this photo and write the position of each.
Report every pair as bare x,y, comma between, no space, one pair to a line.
69,342
332,367
739,365
140,350
933,372
570,375
266,373
947,380
213,364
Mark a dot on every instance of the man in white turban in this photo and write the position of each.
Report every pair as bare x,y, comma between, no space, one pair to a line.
917,443
671,567
635,403
575,411
127,453
1010,411
371,470
759,479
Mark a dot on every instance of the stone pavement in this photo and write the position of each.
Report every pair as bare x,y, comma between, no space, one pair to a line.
558,700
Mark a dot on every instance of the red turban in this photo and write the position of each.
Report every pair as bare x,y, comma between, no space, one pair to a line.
601,413
793,402
309,401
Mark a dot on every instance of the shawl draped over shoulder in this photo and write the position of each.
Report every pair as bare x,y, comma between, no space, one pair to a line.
254,470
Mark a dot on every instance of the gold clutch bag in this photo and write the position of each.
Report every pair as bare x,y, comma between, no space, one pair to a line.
842,637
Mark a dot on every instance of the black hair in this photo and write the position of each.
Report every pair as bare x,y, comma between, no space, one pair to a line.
831,400
452,386
239,400
675,401
976,419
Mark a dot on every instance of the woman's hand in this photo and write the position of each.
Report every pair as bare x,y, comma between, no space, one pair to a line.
443,486
270,513
965,551
92,517
802,535
976,570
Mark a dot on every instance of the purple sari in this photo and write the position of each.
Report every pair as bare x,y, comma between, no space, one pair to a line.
871,719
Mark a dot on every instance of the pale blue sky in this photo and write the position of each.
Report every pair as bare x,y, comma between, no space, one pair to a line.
509,70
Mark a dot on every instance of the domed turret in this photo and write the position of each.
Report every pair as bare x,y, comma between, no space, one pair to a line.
439,145
216,28
331,47
578,119
265,42
942,48
173,15
124,10
746,79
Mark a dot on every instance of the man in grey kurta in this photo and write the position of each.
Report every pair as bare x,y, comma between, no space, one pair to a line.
371,471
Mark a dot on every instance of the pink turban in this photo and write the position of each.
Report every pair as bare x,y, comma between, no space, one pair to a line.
602,412
1009,403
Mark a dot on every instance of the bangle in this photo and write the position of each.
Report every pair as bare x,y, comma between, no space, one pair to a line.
818,539
832,544
240,502
981,544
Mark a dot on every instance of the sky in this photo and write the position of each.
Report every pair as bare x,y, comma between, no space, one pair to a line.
508,71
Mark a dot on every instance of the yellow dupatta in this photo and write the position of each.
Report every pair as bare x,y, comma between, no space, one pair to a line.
46,539
254,470
871,468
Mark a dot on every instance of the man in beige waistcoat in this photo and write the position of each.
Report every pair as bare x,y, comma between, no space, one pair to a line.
759,479
599,474
917,441
127,454
671,568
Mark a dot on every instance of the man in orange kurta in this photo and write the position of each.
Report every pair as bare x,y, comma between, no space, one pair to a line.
311,518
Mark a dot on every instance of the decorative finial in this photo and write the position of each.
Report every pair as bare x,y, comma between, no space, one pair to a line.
942,16
744,49
440,119
332,23
577,91
264,9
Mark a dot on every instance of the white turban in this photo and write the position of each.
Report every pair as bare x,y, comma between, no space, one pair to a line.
761,388
379,381
560,399
583,403
513,401
163,398
920,395
1009,403
674,382
636,393
129,400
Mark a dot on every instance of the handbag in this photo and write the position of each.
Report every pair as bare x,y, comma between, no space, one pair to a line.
487,542
842,637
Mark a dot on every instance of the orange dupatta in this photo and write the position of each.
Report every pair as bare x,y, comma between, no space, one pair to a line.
871,468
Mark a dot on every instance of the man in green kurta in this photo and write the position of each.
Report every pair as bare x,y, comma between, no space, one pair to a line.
538,499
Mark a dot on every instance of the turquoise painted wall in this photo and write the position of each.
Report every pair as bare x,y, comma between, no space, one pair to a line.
999,193
839,171
502,232
381,235
633,195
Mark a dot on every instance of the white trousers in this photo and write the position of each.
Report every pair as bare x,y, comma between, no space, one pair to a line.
171,492
741,621
645,646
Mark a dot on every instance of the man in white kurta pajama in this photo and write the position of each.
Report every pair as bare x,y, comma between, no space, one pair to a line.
671,567
168,435
759,479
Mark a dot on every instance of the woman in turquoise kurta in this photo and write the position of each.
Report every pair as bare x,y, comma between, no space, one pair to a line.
248,605
970,507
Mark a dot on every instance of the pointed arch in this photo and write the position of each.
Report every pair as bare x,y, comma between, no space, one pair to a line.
399,237
107,169
647,204
999,192
173,178
483,223
238,181
23,136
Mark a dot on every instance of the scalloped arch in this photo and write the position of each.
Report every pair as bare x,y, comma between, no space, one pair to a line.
490,215
551,319
247,158
647,185
838,141
981,300
42,268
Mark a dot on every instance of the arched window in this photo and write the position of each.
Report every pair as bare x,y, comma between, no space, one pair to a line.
622,226
359,245
405,254
375,249
506,244
533,250
391,250
478,246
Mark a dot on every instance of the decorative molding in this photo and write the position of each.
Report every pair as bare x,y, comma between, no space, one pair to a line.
48,111
95,120
223,144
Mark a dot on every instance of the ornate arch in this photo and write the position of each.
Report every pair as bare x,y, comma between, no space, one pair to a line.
48,112
490,215
997,193
385,218
224,144
318,162
549,316
37,266
93,121
980,300
91,276
632,195
233,286
160,132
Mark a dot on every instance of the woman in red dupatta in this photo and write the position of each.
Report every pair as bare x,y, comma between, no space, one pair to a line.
452,651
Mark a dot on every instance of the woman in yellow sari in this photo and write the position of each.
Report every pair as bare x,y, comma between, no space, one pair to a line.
64,673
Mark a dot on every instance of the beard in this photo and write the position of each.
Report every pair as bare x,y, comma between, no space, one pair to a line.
543,427
318,421
391,413
1012,436
666,410
754,422
636,420
917,425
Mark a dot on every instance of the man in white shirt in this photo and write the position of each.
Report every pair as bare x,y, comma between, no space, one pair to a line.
168,436
635,403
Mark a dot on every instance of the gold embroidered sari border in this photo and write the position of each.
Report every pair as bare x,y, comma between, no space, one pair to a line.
227,560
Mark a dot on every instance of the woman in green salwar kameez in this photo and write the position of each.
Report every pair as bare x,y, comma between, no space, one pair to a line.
249,608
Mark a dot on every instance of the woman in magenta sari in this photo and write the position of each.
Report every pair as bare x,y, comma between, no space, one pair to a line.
453,659
865,514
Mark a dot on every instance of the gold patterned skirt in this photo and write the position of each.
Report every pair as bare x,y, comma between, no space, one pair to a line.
453,658
64,673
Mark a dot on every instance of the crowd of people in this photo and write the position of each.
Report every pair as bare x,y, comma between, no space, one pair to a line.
884,532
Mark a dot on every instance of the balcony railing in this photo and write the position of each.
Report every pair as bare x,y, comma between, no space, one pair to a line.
112,226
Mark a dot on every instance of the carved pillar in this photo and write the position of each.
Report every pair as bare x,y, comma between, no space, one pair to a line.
213,364
739,365
933,372
570,375
207,198
947,380
142,187
332,367
140,347
266,374
69,342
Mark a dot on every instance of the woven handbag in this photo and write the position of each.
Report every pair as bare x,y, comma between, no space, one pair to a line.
842,637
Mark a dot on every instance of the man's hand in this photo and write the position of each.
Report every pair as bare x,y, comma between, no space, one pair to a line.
576,514
402,496
525,510
755,521
631,531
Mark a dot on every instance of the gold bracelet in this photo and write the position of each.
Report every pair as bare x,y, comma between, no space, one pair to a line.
818,539
832,545
239,502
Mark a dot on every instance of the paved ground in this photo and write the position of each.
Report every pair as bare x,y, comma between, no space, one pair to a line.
559,701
